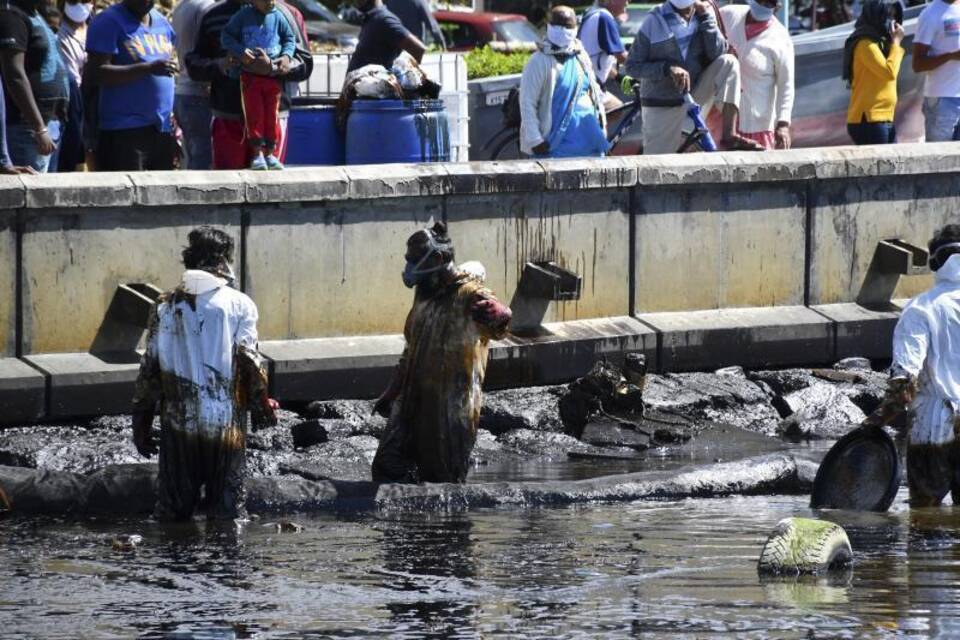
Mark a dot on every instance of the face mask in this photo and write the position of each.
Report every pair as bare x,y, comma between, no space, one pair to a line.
226,272
561,37
759,12
78,12
413,274
682,4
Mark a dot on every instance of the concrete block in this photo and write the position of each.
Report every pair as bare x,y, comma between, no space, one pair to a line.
8,283
328,368
496,177
850,216
740,246
296,184
84,384
73,260
757,337
567,350
859,331
587,233
179,188
789,165
333,269
79,190
669,169
395,180
13,194
920,158
574,174
22,392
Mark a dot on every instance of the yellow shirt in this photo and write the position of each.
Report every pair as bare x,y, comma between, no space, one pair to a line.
874,90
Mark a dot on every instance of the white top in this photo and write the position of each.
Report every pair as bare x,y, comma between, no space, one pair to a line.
73,49
603,62
939,28
197,345
926,344
766,69
185,21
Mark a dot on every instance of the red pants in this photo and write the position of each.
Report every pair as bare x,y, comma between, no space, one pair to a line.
261,104
230,149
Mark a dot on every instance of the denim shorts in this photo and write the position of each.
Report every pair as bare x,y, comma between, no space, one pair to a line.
942,119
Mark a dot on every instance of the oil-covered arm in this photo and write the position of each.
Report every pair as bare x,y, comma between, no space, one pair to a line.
252,385
491,315
148,391
911,339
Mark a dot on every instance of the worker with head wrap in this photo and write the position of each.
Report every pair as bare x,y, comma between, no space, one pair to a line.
202,369
925,378
434,399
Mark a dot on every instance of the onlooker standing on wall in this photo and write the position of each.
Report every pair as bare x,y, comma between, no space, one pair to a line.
6,165
871,63
133,61
936,52
679,49
35,84
382,37
191,102
561,115
765,50
600,36
418,20
72,42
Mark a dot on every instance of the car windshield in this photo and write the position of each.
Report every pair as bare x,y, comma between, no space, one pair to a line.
515,31
313,10
635,15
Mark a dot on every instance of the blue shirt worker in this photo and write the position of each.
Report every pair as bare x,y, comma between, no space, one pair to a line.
382,37
600,36
133,61
260,31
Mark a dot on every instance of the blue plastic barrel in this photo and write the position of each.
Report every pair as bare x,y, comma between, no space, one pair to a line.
313,136
382,131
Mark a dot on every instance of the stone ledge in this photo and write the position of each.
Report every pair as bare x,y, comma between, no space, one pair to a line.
296,184
84,384
23,392
396,180
589,173
13,193
859,331
496,177
159,188
55,190
753,337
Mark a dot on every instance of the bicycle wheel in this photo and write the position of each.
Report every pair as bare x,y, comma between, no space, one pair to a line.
508,149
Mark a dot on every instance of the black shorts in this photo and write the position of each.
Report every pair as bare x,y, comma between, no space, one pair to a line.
140,149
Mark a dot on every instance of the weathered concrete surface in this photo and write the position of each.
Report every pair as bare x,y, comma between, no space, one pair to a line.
343,275
22,392
858,331
83,384
74,258
850,216
8,283
126,489
741,246
746,337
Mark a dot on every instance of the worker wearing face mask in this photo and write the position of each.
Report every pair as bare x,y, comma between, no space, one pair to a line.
561,105
765,51
433,402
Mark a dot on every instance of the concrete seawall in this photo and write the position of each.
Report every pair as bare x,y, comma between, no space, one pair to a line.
697,260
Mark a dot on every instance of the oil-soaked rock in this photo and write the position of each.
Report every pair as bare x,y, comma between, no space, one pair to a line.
347,459
308,433
854,363
41,490
864,387
728,399
606,432
820,411
538,443
488,450
533,408
127,542
275,438
137,483
66,448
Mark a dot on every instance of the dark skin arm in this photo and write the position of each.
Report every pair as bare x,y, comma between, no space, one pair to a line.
102,72
412,45
18,85
923,61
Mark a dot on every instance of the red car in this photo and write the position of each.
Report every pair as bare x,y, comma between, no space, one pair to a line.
466,30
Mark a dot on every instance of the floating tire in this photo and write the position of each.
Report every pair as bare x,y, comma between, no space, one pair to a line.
805,546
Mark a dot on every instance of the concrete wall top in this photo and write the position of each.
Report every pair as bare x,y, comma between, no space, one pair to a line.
391,181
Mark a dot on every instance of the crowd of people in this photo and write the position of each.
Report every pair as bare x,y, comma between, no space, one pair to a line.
126,89
739,58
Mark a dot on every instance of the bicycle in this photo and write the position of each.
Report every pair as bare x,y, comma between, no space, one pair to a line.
506,142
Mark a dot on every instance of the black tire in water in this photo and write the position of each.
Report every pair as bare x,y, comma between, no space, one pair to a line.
805,546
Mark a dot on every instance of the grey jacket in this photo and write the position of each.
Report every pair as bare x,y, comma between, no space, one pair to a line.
655,50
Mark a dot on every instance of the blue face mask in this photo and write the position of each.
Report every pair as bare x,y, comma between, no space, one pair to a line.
759,12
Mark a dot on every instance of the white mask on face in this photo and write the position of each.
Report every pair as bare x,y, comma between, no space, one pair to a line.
561,37
682,4
78,12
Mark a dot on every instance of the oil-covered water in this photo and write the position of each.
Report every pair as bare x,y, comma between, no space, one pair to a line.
672,569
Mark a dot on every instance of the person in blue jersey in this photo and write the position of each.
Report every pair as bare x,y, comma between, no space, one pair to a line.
133,62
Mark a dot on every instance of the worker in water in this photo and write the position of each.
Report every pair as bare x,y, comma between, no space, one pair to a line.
433,402
925,378
202,369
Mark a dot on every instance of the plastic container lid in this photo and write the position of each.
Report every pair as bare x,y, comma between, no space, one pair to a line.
861,472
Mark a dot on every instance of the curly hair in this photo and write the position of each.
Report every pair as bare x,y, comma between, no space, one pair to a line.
949,234
209,248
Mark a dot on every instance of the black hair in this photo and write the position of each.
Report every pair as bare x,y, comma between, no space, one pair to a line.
439,230
947,235
208,248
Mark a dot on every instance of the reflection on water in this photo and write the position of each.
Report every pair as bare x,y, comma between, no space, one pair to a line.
672,569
